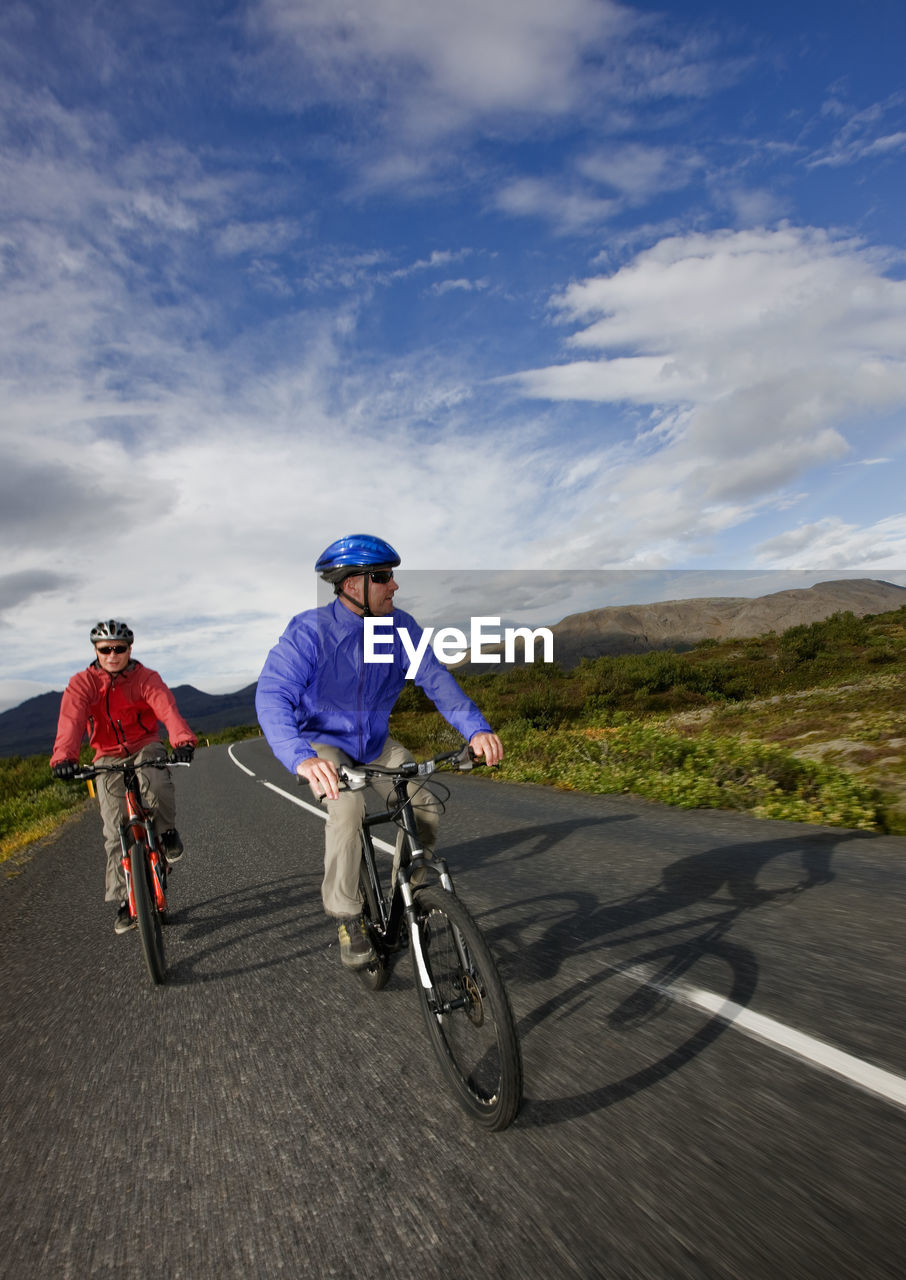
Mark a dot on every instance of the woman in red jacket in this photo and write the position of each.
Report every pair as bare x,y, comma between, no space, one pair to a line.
119,703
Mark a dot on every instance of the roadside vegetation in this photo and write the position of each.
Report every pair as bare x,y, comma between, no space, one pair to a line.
808,725
33,803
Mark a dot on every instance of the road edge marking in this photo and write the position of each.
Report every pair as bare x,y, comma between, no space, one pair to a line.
238,763
303,804
866,1076
877,1081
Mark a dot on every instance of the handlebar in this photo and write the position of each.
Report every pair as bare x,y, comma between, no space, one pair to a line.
357,776
87,771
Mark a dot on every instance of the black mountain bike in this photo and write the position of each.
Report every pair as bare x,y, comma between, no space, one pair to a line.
144,862
463,999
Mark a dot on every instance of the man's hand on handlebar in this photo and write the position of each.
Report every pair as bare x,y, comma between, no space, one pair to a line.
183,754
321,775
487,745
65,770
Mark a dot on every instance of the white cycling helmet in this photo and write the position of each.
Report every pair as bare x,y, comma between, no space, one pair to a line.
111,630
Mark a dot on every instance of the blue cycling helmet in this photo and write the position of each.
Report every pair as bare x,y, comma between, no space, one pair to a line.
353,554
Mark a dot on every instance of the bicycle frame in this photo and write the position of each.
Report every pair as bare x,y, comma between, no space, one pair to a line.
392,914
395,922
138,827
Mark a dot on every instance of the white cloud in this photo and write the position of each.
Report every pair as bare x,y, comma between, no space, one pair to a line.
567,210
453,61
460,285
890,142
752,351
13,692
832,543
861,135
414,74
257,237
639,171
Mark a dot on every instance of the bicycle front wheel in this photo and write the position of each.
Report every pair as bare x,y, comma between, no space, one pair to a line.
147,915
466,1009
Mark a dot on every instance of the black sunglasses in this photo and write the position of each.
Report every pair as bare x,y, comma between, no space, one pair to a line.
381,575
111,648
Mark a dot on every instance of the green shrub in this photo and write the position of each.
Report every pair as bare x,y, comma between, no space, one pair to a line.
701,772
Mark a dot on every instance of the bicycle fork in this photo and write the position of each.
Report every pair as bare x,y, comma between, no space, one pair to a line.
418,858
438,1004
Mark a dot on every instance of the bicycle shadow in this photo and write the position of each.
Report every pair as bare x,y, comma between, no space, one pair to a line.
522,846
653,939
655,997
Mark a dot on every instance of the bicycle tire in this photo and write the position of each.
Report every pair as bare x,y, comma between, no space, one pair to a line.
476,1043
376,975
147,915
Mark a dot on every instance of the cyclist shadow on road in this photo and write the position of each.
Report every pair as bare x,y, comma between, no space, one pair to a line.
221,937
651,940
524,845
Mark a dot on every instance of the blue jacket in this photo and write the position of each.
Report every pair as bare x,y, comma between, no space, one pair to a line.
316,686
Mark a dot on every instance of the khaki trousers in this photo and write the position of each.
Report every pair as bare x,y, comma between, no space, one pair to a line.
158,796
342,841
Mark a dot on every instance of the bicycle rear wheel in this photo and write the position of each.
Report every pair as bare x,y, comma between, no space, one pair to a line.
467,1011
147,915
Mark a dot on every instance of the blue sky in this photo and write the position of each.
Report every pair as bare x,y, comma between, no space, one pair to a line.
515,284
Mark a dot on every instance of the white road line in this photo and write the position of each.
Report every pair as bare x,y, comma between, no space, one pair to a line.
874,1080
321,813
237,763
303,804
883,1084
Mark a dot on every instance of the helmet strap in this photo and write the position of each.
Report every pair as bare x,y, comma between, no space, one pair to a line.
356,604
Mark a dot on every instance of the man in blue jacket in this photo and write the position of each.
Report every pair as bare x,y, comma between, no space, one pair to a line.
321,704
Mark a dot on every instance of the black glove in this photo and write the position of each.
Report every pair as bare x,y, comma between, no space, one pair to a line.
65,770
183,755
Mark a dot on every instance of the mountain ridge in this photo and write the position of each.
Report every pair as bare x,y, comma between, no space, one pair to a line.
30,728
615,630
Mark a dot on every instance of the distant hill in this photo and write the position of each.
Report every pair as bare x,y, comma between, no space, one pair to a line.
681,624
30,728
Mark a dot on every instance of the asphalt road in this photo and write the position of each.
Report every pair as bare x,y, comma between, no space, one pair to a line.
711,1018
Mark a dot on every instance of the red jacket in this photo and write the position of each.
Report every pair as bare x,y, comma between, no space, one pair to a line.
119,711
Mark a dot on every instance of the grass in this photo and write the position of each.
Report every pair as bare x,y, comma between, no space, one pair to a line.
32,803
808,725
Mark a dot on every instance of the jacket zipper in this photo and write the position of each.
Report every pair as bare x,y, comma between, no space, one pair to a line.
116,725
361,703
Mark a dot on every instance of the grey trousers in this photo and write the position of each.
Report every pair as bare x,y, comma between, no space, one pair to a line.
342,844
158,796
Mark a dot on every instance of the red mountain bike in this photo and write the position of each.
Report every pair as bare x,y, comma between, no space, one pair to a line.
144,861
